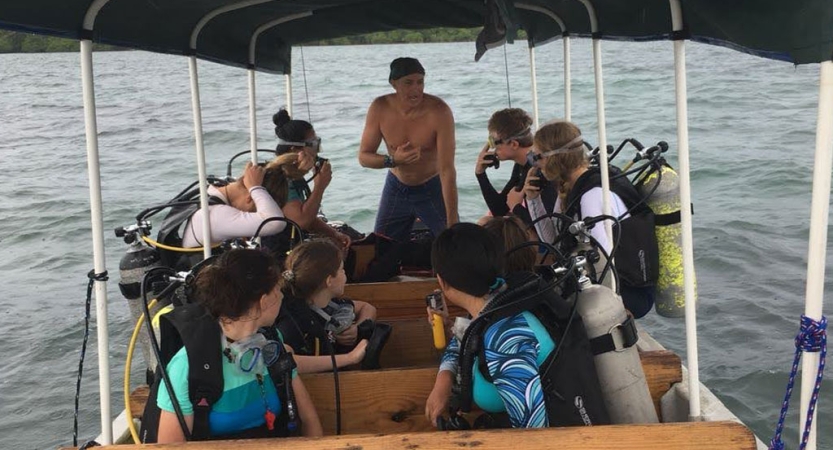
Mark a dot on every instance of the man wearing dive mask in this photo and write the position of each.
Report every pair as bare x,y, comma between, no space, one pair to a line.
510,139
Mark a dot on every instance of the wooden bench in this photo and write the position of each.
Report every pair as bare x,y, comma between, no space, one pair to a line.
393,400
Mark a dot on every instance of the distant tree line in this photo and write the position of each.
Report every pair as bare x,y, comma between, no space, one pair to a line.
13,42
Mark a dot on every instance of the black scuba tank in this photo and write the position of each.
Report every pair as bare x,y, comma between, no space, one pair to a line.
138,259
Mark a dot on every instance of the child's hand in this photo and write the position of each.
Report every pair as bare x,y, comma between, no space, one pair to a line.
357,354
348,337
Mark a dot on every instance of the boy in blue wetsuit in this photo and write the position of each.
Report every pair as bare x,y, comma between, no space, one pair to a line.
469,265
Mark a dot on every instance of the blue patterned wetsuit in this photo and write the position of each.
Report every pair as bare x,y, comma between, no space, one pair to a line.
514,347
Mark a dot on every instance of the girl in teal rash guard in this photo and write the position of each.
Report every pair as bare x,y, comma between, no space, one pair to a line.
241,291
469,262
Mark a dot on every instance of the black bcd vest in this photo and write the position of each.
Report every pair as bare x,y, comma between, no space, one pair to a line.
572,393
637,252
191,326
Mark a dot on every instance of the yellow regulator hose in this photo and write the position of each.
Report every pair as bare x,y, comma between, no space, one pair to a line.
157,244
129,362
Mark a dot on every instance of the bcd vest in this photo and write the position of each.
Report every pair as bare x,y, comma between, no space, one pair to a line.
191,326
637,254
572,394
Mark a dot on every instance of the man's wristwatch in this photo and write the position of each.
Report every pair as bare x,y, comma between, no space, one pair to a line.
389,162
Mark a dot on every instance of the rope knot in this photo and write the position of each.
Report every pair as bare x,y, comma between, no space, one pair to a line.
812,335
776,444
103,276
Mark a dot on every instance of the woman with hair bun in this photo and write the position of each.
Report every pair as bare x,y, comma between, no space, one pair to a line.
302,205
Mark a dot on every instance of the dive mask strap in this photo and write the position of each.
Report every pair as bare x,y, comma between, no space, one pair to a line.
565,148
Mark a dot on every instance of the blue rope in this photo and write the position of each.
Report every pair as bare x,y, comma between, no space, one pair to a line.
812,337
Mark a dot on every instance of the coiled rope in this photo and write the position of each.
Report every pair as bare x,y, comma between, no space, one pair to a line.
812,337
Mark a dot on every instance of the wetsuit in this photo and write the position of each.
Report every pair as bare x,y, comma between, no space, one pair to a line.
496,201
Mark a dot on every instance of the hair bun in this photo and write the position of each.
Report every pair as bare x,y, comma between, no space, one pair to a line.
281,118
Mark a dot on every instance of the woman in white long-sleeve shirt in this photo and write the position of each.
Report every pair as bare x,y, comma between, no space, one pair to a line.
247,202
562,158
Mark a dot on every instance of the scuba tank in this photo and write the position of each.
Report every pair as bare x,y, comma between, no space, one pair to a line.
660,185
613,337
138,259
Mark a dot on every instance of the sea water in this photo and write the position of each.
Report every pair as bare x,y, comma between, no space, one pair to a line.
752,125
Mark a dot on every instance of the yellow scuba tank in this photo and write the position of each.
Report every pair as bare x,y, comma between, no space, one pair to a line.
665,202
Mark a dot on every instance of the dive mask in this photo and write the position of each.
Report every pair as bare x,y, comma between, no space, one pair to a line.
314,144
254,352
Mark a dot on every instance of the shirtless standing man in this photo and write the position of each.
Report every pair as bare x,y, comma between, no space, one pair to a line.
418,130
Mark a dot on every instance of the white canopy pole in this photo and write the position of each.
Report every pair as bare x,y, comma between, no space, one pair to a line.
252,57
816,254
200,149
97,221
197,112
99,263
252,116
567,82
600,117
534,86
565,36
288,83
685,210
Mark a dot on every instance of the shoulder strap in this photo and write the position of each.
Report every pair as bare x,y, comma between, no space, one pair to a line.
200,334
288,421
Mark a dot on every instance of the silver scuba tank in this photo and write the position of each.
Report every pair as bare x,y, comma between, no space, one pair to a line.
612,336
138,259
665,202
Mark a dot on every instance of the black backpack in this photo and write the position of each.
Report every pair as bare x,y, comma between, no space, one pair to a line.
572,393
637,254
191,326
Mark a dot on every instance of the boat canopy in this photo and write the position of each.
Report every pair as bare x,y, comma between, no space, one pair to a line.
797,31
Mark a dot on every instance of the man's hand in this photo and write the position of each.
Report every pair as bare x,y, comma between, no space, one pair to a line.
482,163
252,175
530,190
406,154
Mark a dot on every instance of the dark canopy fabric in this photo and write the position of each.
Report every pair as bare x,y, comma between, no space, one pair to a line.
798,31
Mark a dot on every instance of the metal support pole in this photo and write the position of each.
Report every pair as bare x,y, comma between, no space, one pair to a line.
568,102
685,200
288,83
200,148
99,263
600,117
817,253
252,116
534,86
